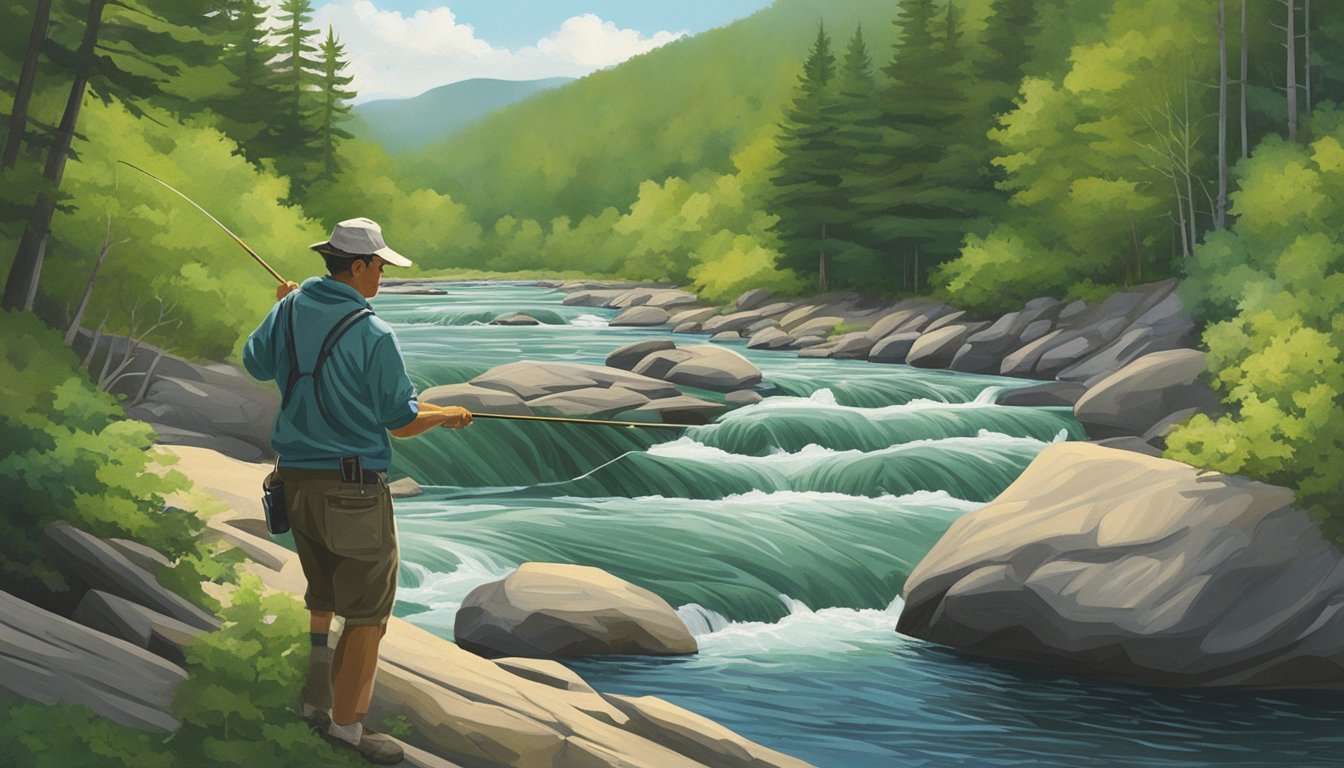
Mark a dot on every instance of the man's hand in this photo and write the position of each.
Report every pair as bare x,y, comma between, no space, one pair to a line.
455,417
282,291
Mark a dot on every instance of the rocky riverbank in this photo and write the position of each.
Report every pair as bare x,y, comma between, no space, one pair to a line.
120,653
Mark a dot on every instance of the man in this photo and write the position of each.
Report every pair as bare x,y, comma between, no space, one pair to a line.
344,388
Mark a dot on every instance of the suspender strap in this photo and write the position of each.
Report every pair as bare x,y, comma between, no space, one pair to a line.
328,344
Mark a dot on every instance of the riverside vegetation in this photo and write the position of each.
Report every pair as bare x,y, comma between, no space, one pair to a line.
1043,147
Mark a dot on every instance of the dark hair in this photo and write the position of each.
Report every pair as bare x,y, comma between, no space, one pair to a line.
339,262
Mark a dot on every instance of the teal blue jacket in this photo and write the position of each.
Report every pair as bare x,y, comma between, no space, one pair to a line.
364,385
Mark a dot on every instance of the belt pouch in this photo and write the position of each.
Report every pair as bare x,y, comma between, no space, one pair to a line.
273,500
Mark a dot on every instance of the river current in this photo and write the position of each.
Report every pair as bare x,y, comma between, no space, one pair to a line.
783,534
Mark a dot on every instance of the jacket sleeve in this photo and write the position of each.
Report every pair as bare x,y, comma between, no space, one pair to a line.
393,395
261,348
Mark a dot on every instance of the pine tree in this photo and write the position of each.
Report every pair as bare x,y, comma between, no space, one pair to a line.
296,140
335,100
858,121
806,181
1009,51
253,106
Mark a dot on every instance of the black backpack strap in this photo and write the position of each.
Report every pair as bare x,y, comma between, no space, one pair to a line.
328,344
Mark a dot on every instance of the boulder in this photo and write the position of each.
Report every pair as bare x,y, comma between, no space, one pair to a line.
405,488
227,410
770,338
945,321
146,558
657,364
666,298
759,326
1135,398
550,610
1050,393
887,324
798,315
714,368
160,635
935,349
808,341
627,357
1123,566
1022,361
983,351
726,336
589,401
599,297
477,399
777,309
698,315
1135,444
894,348
734,322
641,317
530,379
683,409
517,319
752,299
743,397
686,328
89,560
851,346
923,315
48,658
816,326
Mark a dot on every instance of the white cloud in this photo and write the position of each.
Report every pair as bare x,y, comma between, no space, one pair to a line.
396,56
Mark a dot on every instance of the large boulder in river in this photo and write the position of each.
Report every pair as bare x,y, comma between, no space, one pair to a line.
48,658
641,317
1153,388
550,610
935,349
714,368
627,357
530,379
1133,568
476,399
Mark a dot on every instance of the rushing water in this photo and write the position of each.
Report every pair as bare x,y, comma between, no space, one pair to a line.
783,534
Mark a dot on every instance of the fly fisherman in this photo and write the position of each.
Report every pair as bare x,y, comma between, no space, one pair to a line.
344,387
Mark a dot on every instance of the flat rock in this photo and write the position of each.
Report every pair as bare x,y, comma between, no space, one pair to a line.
477,399
726,336
530,379
549,610
517,319
681,406
93,562
1132,568
597,297
894,348
641,317
1138,396
589,401
1050,393
816,326
161,635
752,299
743,397
697,315
734,322
627,357
48,658
798,315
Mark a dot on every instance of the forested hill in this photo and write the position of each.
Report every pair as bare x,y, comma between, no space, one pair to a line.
404,125
676,111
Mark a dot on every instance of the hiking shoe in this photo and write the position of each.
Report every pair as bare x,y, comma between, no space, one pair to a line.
377,748
317,719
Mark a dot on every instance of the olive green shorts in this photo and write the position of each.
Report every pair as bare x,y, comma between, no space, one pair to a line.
347,543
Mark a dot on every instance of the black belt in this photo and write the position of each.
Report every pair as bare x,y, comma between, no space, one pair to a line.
367,476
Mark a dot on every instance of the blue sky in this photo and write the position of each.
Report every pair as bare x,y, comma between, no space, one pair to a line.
401,48
515,23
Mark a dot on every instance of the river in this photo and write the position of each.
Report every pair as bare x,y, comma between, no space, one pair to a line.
783,534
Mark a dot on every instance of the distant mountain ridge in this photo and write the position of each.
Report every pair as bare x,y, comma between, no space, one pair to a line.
407,125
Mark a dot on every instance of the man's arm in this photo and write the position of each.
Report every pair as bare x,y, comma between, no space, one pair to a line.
431,416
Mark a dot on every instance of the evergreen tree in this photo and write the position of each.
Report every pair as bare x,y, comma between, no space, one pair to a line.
806,194
858,121
335,100
1009,45
252,105
296,140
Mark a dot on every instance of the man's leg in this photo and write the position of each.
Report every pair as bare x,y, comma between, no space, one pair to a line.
354,667
317,691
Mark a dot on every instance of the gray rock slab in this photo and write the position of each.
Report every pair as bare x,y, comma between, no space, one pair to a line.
752,299
627,357
726,336
1135,398
822,326
48,658
808,341
161,635
697,315
770,338
95,563
530,379
641,317
589,401
1135,444
1021,362
947,320
743,397
681,404
516,319
686,328
600,297
734,322
549,610
1050,393
148,558
894,348
405,488
758,326
657,364
797,315
477,399
1127,567
936,349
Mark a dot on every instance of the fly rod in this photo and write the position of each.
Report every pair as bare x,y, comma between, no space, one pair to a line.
281,280
570,420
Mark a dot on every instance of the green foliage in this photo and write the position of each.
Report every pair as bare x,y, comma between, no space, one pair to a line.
62,735
72,456
239,706
1272,287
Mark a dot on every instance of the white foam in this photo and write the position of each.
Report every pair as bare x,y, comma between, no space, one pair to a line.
590,321
830,630
824,400
444,592
685,448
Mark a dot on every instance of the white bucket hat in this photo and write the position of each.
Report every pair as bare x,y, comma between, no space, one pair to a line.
361,237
